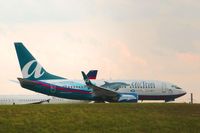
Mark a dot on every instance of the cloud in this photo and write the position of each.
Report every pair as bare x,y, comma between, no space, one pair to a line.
123,39
125,54
32,11
188,57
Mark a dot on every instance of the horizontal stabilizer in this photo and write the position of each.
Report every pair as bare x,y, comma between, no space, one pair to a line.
92,74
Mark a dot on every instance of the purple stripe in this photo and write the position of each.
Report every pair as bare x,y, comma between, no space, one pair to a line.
64,89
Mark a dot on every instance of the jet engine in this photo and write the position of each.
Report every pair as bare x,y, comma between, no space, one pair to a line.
128,97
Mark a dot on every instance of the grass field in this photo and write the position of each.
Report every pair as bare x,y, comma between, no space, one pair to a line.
101,118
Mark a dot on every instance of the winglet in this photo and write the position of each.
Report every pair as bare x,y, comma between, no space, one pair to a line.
87,81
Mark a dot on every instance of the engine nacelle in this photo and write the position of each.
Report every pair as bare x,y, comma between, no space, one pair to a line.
128,97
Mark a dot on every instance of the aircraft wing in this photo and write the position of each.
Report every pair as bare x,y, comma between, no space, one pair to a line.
99,91
41,102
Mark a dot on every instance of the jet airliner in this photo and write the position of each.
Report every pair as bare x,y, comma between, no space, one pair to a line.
37,79
33,99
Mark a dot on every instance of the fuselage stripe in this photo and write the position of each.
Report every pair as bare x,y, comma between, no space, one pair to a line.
63,89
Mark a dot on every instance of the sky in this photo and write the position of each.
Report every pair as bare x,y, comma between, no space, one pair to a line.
123,39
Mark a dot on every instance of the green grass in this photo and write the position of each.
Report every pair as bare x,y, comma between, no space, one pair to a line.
101,118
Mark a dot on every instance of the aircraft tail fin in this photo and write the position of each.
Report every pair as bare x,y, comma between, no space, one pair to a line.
30,68
92,74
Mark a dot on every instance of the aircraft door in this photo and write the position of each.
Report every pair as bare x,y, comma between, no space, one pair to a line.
52,89
164,88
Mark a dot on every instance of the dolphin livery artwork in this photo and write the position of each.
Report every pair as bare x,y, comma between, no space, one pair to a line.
37,79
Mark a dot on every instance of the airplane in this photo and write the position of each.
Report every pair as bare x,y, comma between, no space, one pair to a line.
33,99
37,79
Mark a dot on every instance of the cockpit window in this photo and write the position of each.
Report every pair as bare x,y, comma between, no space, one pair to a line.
176,87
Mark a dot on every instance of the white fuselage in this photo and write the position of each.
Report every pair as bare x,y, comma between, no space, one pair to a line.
33,99
146,89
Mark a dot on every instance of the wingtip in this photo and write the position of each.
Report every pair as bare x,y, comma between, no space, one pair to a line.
83,73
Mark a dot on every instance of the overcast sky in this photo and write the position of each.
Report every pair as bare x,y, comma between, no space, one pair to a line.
123,39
